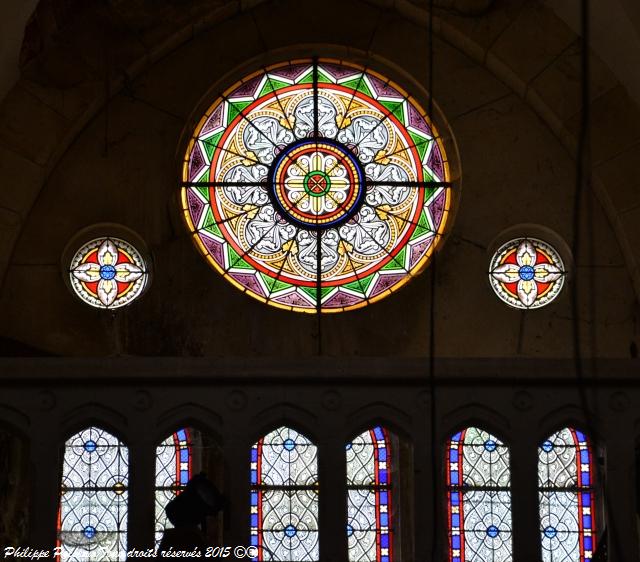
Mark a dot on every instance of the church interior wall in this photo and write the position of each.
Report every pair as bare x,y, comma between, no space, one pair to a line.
76,151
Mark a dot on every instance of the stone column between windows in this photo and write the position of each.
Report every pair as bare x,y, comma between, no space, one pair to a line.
620,489
236,486
332,520
525,522
142,478
426,490
46,456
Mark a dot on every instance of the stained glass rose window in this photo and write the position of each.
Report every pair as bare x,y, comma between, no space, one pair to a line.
316,186
526,273
108,273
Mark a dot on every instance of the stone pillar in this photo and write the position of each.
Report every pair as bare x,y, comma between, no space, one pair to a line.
427,489
620,495
236,453
46,457
332,470
524,495
142,478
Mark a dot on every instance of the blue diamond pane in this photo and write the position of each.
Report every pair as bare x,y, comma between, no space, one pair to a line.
550,532
493,531
349,530
289,444
527,273
547,446
107,272
290,531
348,446
89,532
90,446
490,445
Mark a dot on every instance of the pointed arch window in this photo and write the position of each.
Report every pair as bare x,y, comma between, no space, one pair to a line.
284,497
92,517
478,497
369,526
174,464
567,500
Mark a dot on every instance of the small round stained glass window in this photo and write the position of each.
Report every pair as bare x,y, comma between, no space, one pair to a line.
108,273
527,273
316,186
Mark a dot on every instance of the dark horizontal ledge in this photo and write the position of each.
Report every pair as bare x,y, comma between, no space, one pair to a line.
315,371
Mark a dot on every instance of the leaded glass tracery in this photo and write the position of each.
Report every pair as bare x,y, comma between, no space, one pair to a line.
566,493
173,471
92,518
527,273
316,185
284,497
369,524
478,498
108,273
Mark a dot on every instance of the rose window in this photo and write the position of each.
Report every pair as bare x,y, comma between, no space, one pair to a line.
108,273
527,273
316,186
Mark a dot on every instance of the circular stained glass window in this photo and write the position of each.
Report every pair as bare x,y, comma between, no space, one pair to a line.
316,186
527,273
108,273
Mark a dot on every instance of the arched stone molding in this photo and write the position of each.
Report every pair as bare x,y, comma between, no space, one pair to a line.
475,415
14,421
40,121
379,413
97,415
189,415
286,414
573,417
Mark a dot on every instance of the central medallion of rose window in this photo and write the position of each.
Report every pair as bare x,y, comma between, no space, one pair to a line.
317,184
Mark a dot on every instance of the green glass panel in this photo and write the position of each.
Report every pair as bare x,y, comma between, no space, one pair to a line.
398,261
308,79
422,227
360,85
422,144
396,108
235,261
271,85
361,286
274,285
204,191
211,143
235,107
311,291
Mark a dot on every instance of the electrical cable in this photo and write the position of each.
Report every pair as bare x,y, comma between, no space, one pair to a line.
583,185
435,457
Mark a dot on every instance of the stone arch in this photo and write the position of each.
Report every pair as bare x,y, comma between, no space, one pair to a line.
574,418
29,155
286,414
189,415
476,415
386,415
93,414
